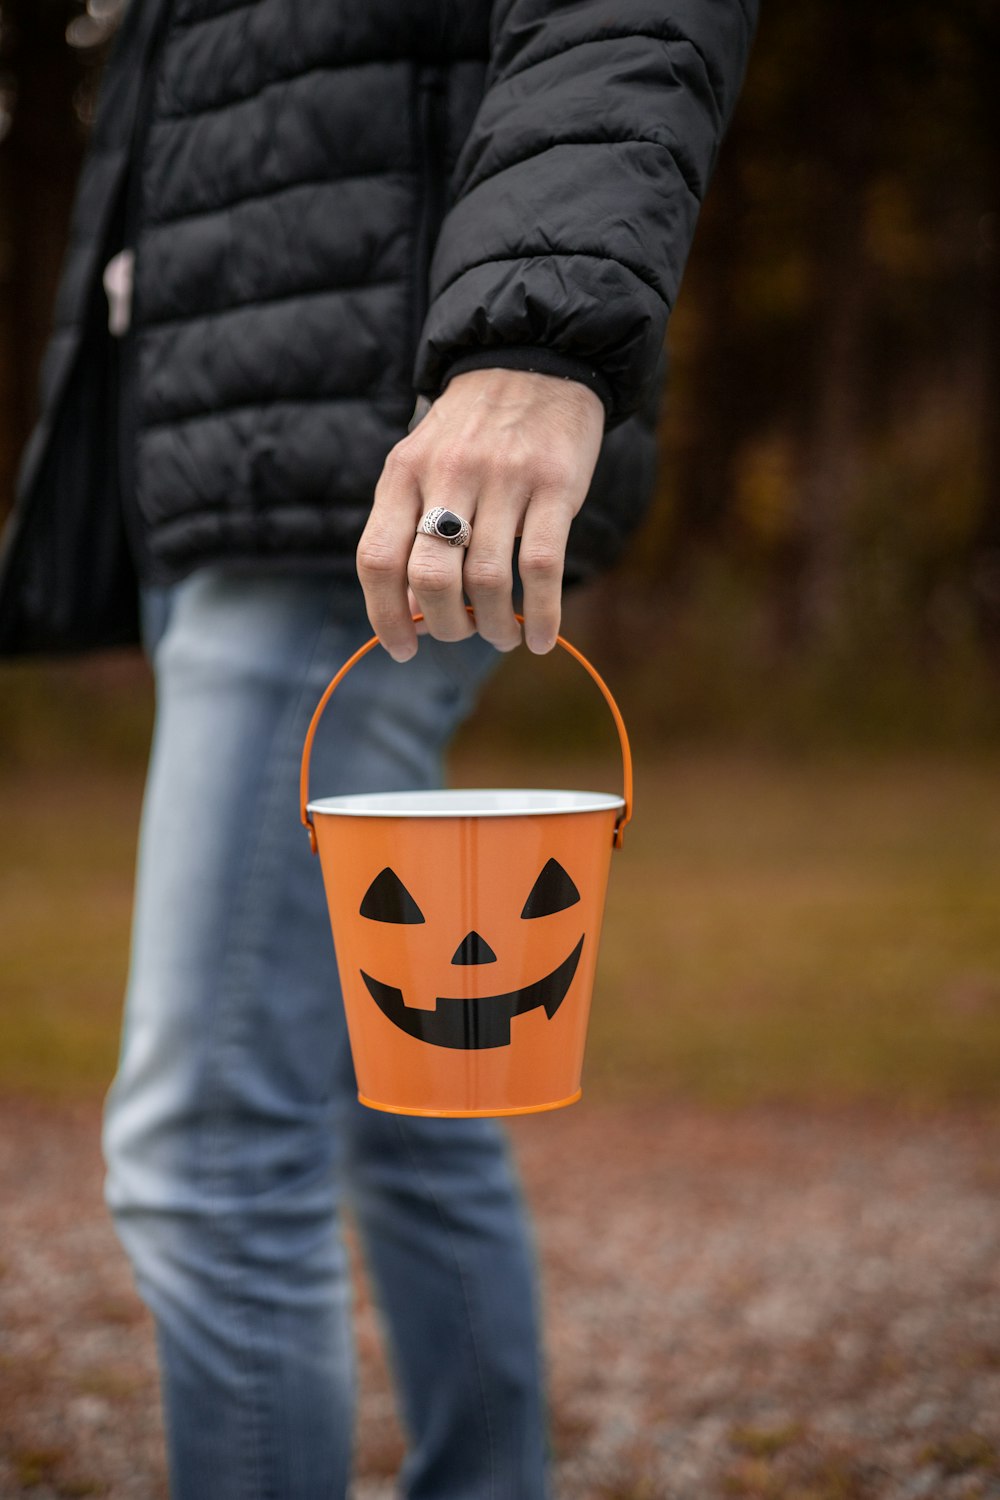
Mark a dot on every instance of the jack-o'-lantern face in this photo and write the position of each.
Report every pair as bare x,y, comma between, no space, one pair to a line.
472,1022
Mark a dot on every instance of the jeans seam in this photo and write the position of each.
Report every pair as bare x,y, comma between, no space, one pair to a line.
432,1197
221,1119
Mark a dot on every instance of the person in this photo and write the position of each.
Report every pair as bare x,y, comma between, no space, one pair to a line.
330,210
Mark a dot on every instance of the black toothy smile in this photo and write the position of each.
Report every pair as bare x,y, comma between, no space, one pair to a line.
474,1024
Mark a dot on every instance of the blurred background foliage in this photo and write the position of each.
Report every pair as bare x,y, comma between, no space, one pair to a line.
805,638
823,561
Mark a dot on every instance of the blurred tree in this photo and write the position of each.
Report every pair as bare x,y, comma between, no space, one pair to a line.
830,352
831,477
980,24
39,160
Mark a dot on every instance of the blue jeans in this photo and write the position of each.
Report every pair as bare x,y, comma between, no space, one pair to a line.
233,1134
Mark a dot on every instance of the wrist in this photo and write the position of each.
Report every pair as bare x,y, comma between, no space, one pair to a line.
534,361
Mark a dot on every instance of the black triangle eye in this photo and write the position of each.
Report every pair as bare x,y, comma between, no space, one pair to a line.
388,900
552,891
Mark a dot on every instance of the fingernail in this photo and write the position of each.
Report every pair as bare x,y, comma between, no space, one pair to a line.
403,653
538,643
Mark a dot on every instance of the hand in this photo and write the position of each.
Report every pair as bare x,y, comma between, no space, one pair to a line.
511,451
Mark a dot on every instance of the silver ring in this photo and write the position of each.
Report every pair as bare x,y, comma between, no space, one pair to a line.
453,529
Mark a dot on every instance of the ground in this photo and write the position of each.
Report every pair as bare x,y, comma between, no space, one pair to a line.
783,1303
770,1234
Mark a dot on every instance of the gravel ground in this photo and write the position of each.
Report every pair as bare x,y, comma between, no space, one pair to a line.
773,1303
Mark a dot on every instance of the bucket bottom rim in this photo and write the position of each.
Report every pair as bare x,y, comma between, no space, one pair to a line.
469,1114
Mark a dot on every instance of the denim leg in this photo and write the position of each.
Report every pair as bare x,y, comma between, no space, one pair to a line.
233,1109
454,1276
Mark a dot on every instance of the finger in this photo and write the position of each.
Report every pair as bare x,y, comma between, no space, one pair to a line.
414,608
489,575
435,579
383,554
540,564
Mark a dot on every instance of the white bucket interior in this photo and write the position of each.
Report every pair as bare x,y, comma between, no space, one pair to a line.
464,803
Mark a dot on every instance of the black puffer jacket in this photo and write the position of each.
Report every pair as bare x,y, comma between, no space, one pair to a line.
337,205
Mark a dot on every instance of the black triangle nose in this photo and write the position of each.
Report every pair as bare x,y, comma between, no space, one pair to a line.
474,949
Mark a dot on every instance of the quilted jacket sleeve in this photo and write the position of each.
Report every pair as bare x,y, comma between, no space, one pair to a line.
578,189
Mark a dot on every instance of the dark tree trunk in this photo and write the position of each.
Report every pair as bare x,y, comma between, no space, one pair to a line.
986,559
39,162
841,135
829,456
716,399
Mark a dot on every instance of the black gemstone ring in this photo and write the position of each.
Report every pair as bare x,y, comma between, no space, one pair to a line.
444,523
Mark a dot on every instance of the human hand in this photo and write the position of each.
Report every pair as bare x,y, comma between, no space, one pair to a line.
512,452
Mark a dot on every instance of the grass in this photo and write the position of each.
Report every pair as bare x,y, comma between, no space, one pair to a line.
37,1468
816,929
963,1453
65,891
764,1442
820,928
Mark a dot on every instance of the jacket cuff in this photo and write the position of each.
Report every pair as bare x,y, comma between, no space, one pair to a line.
536,361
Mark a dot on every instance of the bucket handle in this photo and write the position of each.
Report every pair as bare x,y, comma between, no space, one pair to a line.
624,816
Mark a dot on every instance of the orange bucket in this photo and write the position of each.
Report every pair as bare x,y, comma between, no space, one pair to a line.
466,926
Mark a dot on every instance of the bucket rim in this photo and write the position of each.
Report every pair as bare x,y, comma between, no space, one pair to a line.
466,802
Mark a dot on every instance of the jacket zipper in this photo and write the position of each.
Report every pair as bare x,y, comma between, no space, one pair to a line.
127,363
